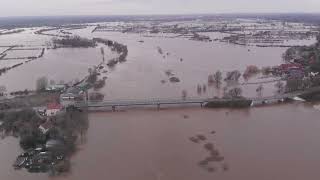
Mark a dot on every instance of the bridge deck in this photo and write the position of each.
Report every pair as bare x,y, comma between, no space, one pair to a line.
158,102
200,101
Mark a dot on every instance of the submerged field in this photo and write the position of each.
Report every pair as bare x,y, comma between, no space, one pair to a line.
144,74
271,142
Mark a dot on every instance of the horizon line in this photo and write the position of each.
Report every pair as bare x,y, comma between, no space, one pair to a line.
165,14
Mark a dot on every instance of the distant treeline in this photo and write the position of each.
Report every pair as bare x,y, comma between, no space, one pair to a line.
74,41
12,32
15,22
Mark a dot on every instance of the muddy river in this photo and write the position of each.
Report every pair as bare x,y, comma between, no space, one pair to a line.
143,75
276,142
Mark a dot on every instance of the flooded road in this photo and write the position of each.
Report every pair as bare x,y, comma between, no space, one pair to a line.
276,142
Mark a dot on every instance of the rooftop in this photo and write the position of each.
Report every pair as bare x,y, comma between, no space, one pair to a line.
54,106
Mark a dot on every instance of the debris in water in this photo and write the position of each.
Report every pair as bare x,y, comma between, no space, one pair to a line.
193,139
225,167
211,169
209,146
185,117
169,73
174,80
201,137
203,163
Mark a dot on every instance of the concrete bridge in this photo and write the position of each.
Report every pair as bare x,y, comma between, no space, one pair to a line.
195,101
162,102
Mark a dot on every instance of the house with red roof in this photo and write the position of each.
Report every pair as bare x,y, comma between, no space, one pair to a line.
53,109
290,66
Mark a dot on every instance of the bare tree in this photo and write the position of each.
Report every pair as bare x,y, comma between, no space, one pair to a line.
184,94
259,90
233,76
61,82
235,92
199,89
90,71
3,90
280,87
204,88
225,91
307,82
217,78
210,80
42,83
102,53
52,82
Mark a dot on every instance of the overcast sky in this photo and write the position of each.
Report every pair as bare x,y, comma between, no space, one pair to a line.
116,7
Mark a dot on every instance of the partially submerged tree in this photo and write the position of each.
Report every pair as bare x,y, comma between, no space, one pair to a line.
184,94
318,40
234,93
74,41
210,80
52,82
280,87
3,90
233,76
42,83
250,71
217,77
102,53
259,90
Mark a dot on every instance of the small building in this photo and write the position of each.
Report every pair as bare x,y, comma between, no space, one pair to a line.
290,66
53,109
56,87
45,127
295,74
71,96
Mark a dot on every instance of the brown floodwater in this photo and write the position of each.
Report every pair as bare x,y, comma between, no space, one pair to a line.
275,142
143,75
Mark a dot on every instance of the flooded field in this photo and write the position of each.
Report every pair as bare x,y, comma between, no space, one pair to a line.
271,142
58,65
145,69
145,66
276,142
